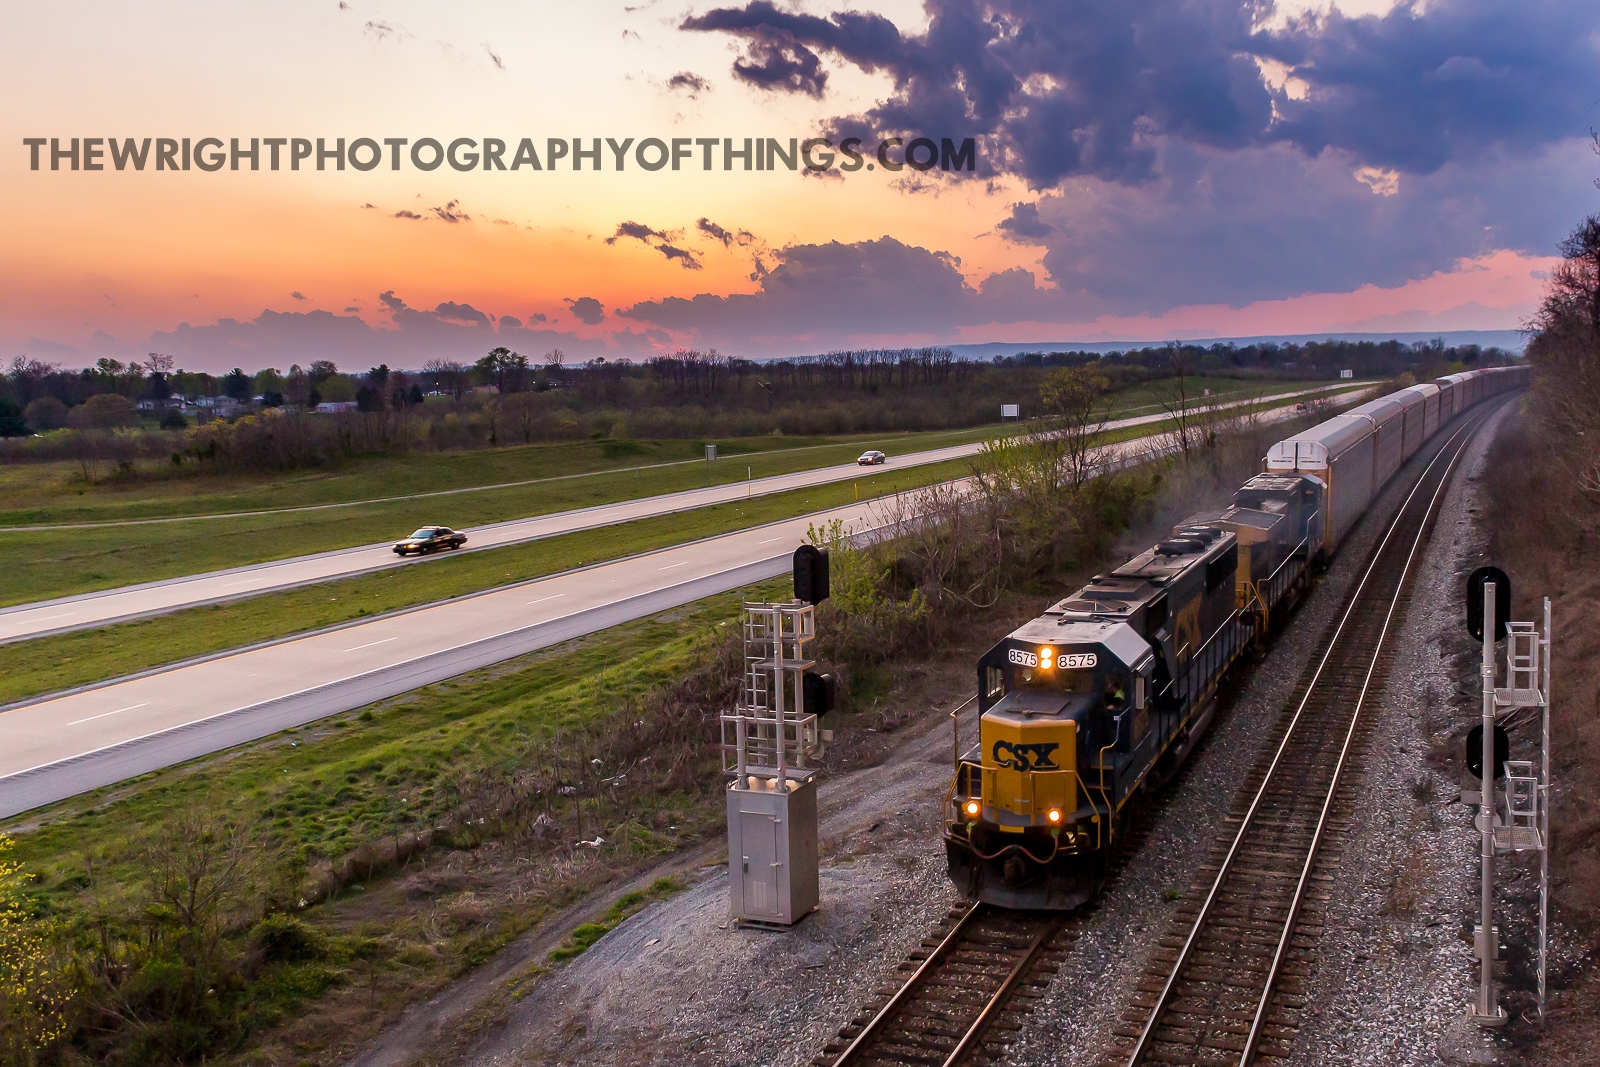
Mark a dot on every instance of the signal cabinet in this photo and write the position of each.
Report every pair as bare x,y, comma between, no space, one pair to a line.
772,850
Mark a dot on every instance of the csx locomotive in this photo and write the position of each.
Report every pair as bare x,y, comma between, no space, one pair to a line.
1107,692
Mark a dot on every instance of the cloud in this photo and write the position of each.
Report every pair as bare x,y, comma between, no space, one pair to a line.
1024,224
495,57
298,295
383,31
352,309
587,309
728,238
823,291
404,214
366,205
684,257
1382,182
691,85
537,316
688,259
452,329
1092,88
451,212
638,231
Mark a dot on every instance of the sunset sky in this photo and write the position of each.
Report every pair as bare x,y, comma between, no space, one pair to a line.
1145,169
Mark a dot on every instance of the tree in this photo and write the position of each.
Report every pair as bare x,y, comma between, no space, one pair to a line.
378,377
1075,412
33,992
506,370
1566,354
448,376
12,422
46,413
320,371
103,412
237,384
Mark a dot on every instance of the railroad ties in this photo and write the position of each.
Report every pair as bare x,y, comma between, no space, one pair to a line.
968,983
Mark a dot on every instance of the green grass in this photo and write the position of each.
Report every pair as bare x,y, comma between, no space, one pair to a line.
53,563
584,936
50,664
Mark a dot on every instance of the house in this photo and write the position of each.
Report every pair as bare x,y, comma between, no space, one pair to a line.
334,407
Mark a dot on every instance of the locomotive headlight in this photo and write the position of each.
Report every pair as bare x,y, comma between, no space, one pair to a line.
1046,657
1055,814
973,807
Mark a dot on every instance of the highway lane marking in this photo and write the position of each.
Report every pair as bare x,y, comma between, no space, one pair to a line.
47,618
371,644
668,567
542,599
104,714
769,540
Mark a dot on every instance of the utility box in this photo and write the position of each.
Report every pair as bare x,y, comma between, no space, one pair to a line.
772,850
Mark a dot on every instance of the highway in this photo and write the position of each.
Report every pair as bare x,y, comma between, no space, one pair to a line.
59,746
153,598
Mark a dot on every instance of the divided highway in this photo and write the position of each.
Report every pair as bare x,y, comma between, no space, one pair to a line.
58,746
153,598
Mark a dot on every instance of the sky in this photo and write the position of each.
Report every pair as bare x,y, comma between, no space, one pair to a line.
1140,169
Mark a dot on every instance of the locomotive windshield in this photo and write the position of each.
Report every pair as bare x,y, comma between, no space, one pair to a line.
1052,681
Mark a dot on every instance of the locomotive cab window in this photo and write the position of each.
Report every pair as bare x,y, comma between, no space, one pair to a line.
994,682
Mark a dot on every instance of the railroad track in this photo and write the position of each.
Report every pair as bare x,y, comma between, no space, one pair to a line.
985,963
1228,982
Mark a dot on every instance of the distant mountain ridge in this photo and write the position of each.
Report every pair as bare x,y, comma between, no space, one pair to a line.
1510,340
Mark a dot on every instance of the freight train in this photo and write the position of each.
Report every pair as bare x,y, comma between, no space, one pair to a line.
1107,692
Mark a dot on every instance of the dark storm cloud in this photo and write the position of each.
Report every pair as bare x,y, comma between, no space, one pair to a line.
1089,88
587,309
1413,91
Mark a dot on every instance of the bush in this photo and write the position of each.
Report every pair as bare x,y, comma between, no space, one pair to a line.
285,939
174,420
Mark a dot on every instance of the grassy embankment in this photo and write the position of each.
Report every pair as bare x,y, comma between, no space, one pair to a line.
54,563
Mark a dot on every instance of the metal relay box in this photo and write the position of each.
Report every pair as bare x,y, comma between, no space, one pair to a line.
772,850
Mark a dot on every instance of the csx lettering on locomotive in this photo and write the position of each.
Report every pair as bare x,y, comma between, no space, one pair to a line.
1034,757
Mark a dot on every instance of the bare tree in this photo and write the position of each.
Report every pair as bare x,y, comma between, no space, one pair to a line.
1566,353
1075,410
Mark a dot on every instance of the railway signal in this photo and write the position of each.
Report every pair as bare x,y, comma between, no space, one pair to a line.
811,574
1475,602
1514,800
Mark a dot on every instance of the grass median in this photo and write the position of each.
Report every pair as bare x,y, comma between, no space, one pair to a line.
50,664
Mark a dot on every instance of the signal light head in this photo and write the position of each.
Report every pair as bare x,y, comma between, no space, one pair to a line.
973,807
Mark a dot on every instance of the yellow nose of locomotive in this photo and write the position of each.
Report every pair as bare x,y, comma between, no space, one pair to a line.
1029,770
